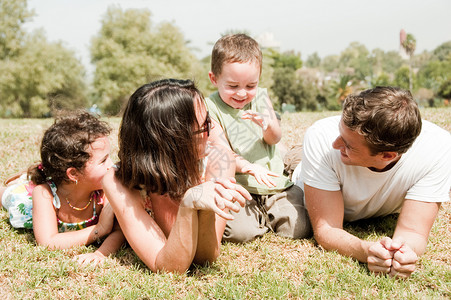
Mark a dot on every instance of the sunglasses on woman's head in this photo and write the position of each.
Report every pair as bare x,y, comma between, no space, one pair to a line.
206,126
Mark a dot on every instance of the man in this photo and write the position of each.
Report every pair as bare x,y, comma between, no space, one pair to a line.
378,158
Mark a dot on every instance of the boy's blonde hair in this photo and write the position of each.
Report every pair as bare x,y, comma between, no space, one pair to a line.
235,48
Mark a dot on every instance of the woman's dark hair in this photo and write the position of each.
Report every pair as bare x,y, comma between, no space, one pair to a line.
65,145
157,147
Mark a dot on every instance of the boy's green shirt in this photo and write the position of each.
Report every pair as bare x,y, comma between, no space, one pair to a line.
246,139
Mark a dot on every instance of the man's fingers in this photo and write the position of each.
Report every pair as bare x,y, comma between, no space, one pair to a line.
379,262
397,243
403,268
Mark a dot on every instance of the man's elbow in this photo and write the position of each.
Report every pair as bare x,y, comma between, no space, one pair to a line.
324,239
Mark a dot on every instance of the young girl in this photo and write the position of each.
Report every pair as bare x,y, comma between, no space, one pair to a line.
165,208
64,191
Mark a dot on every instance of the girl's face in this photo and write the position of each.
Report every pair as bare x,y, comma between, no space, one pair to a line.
99,163
203,126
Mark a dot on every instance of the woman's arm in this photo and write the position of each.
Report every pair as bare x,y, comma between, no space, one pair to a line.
176,253
145,236
221,164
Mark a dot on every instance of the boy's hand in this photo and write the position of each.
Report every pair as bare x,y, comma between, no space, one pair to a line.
255,117
261,174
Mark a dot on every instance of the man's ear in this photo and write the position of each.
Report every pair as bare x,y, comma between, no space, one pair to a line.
389,155
72,174
213,78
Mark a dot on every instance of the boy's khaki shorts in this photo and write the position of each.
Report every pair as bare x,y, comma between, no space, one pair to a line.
282,213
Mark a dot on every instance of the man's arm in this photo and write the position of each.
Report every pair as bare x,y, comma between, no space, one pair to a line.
326,211
396,256
415,222
411,235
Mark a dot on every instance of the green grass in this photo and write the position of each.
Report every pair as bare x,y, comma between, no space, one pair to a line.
271,267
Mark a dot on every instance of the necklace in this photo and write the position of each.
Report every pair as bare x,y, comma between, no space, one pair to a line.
77,208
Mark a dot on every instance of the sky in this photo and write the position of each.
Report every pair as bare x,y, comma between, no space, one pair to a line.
323,26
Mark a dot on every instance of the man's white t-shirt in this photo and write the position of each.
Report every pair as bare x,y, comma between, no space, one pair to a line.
423,173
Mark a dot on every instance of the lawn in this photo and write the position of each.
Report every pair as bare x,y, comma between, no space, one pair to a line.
271,267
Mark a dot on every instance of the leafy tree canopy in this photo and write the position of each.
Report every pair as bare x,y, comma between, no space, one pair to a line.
313,61
36,77
443,51
129,51
290,59
13,14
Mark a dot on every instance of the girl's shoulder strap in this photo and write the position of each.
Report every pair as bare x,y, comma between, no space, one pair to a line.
56,199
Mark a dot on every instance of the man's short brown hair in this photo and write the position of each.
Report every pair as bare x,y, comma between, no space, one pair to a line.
387,117
235,48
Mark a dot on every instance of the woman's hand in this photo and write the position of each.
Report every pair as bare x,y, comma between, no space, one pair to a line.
217,195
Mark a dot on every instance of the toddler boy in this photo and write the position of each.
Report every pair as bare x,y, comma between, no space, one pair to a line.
244,120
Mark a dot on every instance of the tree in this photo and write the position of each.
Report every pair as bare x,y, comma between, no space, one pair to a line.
289,88
36,77
330,63
357,57
266,78
13,14
44,78
391,62
445,89
313,61
437,70
409,45
128,52
443,51
402,78
342,88
381,80
290,60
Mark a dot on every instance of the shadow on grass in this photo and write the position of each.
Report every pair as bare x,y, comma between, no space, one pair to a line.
382,226
127,257
27,234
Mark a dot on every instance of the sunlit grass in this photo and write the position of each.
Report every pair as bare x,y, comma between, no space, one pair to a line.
271,267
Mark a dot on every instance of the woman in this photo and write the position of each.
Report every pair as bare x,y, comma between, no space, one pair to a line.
166,191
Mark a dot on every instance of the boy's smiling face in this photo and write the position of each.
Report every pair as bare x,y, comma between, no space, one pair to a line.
237,84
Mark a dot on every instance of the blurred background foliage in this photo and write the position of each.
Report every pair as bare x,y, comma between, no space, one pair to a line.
39,78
